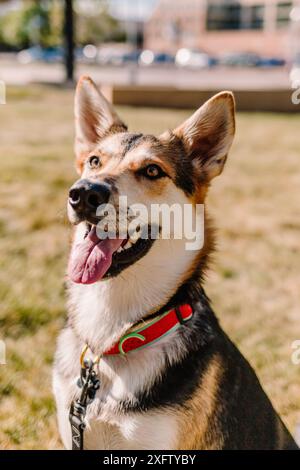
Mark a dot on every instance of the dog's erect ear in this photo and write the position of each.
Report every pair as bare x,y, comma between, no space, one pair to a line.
94,116
208,134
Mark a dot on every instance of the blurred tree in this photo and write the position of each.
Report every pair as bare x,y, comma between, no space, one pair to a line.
42,22
102,28
36,22
95,25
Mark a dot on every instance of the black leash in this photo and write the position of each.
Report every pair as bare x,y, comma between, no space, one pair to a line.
89,383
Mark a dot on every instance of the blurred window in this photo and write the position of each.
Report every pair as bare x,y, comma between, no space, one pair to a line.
220,16
256,16
283,13
234,16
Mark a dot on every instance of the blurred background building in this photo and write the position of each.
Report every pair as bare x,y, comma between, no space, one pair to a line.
219,26
179,43
214,26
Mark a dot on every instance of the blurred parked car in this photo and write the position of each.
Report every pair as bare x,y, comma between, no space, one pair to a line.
148,57
38,53
272,62
164,58
108,56
118,57
249,59
132,56
45,54
239,59
193,58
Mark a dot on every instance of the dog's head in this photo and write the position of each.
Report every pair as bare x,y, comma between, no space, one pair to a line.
175,168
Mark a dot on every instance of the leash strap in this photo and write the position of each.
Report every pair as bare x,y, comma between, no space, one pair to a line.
89,384
76,418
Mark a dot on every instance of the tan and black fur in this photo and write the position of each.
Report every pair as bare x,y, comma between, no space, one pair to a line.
193,389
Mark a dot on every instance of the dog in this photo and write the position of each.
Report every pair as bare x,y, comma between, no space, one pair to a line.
170,378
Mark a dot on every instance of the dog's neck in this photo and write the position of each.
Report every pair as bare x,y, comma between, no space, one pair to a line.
102,312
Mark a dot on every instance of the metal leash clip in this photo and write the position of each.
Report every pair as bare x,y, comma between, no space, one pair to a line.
89,383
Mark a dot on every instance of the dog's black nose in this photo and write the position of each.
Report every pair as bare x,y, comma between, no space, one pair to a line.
86,196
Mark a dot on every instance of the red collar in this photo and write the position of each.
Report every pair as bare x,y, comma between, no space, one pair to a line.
152,332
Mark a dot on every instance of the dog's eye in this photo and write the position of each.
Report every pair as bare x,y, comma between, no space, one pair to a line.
153,172
94,162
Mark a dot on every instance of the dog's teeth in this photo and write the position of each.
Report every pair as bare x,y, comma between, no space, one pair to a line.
120,249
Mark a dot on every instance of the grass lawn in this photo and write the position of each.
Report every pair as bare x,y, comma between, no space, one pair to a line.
254,283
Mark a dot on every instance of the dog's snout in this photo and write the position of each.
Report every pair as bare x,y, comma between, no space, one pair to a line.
86,196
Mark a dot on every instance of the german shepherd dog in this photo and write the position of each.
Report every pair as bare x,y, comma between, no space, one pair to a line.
188,386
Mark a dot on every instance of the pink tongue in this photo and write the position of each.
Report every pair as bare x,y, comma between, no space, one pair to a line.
91,258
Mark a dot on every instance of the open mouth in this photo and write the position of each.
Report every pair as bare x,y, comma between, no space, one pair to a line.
94,259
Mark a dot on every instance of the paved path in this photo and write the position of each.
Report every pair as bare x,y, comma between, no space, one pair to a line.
13,73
